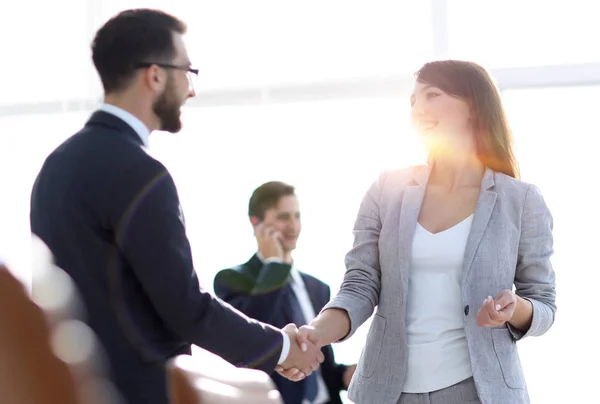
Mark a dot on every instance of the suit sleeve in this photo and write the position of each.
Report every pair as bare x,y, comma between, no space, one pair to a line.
149,231
259,298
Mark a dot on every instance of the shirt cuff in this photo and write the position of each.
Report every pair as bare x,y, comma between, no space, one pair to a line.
285,350
273,259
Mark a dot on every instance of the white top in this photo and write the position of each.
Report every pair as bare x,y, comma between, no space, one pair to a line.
308,311
438,355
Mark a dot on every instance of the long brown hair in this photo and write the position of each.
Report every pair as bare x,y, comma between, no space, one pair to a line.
471,82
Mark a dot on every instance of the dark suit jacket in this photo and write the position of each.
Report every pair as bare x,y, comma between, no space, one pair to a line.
258,290
110,214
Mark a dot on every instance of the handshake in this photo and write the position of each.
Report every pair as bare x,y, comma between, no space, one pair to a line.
305,353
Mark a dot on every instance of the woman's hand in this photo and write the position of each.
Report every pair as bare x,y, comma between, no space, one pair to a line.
306,335
329,326
496,312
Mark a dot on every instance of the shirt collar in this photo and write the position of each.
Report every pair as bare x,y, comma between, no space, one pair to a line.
130,119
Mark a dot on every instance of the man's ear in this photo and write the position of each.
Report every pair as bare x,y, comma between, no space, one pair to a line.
254,221
155,78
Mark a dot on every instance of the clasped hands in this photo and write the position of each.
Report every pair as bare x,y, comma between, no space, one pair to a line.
305,353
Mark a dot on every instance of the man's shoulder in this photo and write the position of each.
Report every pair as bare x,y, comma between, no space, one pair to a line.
104,148
238,269
241,268
237,277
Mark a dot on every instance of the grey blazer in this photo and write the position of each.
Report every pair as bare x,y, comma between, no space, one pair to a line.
510,243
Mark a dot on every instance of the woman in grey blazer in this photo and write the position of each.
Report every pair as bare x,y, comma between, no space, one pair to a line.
437,251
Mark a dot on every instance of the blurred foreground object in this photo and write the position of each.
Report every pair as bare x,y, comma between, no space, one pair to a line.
194,381
47,354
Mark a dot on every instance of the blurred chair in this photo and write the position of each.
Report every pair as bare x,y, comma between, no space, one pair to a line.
29,370
47,354
193,381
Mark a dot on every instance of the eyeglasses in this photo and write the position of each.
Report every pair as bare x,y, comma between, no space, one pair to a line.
192,74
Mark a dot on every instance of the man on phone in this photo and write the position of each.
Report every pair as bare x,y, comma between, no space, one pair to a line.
271,289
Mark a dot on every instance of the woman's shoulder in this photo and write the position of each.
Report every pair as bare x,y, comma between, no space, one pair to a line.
517,190
511,184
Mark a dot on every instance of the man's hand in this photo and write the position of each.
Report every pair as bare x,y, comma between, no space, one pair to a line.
299,362
348,373
267,238
496,312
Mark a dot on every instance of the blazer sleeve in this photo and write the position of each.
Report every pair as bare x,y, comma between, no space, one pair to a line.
149,231
334,377
359,292
534,276
259,298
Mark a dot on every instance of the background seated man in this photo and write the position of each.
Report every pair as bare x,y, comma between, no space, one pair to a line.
271,289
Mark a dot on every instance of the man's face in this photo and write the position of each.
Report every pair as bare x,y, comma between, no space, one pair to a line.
178,89
285,218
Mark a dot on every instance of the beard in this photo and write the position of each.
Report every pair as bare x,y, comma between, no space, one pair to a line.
168,109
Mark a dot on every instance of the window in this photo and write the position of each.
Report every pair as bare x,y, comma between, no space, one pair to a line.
557,145
515,33
237,43
45,55
331,151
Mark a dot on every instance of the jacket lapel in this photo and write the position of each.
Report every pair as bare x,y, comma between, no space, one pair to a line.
481,218
409,214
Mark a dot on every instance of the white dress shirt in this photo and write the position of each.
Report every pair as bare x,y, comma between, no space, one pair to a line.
308,311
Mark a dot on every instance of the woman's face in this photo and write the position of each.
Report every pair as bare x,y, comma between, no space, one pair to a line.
443,121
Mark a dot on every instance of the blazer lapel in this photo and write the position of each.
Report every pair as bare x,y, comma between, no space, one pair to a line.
483,212
409,214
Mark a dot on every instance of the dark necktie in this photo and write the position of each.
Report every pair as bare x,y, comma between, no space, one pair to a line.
311,385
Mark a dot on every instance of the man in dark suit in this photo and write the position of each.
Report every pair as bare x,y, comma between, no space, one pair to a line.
110,214
268,287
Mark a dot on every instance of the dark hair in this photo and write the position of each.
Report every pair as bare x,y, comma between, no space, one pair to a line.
267,196
471,82
132,37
